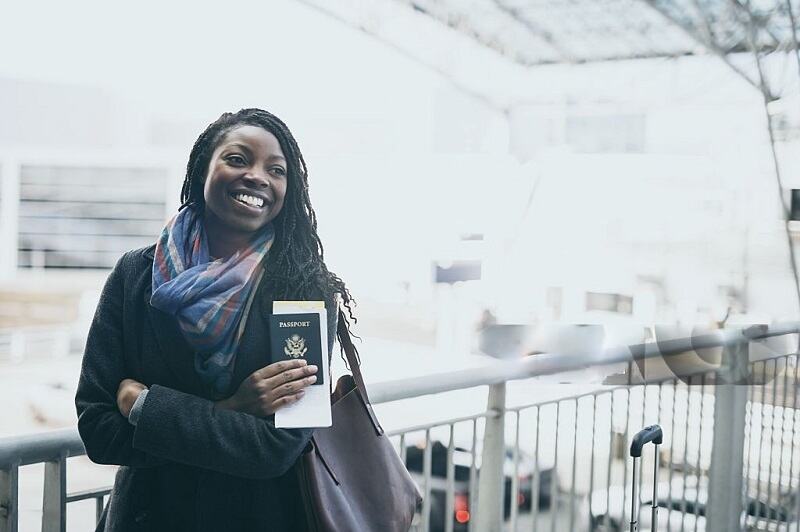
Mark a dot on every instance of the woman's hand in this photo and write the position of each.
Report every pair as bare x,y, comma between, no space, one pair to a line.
271,387
127,393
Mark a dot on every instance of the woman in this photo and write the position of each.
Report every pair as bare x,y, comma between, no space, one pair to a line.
175,385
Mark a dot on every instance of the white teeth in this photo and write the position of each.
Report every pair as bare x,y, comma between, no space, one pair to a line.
250,200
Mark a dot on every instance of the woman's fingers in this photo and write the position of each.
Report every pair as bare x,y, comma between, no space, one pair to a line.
288,387
281,389
276,368
286,399
280,383
293,372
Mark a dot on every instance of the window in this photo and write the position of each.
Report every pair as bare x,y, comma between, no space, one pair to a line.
86,217
609,302
606,133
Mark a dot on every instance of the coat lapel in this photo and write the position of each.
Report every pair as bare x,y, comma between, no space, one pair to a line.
253,351
175,350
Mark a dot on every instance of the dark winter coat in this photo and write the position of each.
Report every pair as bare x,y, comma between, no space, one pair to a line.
187,465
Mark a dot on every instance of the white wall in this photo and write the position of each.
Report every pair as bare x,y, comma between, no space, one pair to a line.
401,162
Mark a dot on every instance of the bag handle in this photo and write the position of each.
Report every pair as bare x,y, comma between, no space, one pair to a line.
352,359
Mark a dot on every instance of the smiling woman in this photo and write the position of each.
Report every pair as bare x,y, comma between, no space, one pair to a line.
245,188
175,385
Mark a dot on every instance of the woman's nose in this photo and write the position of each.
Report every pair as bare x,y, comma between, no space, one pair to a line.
257,179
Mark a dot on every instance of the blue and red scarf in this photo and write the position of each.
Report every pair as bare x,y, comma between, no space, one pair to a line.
207,297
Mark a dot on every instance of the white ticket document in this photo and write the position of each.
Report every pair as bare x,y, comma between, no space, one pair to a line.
314,408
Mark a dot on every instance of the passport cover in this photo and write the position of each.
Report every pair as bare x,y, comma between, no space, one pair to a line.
294,336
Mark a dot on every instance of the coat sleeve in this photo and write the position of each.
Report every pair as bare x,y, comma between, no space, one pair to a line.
107,436
192,430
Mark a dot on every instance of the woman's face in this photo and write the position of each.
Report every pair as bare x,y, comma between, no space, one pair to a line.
246,182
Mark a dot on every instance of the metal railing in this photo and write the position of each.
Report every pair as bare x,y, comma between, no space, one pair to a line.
567,466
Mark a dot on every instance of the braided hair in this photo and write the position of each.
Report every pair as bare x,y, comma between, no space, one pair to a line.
295,267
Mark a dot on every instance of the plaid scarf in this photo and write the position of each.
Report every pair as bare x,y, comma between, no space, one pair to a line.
207,297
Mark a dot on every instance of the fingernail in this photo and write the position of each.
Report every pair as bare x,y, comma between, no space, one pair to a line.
303,362
312,367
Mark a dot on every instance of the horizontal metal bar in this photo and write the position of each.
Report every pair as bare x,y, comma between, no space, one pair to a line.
551,363
88,494
606,389
40,447
600,391
50,446
425,426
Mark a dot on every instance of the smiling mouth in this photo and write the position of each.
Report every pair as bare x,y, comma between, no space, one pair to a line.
248,201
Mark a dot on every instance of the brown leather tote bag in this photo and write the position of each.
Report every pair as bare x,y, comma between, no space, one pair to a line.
351,478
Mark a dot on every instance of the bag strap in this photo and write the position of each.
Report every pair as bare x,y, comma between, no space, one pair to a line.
352,357
355,367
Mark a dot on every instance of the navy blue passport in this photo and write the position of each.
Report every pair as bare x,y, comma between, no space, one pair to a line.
294,336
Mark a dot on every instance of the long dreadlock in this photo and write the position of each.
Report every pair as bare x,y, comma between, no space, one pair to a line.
295,265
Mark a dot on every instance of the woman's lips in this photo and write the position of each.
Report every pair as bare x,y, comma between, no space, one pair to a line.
250,208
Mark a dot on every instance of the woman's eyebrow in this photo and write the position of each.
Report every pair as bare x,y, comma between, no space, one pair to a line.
239,145
249,151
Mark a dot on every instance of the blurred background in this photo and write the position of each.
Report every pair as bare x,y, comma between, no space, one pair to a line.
491,178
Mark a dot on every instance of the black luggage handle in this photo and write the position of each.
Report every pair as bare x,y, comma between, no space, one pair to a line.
649,434
643,437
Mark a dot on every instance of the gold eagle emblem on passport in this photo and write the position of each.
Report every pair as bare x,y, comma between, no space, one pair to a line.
295,346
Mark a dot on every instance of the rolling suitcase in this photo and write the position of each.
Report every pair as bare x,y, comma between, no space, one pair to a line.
646,435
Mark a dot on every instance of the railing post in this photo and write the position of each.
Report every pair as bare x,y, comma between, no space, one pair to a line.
490,479
54,504
427,463
99,506
726,481
9,499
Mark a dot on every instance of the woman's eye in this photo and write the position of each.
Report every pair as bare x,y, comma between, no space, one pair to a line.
278,171
236,160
